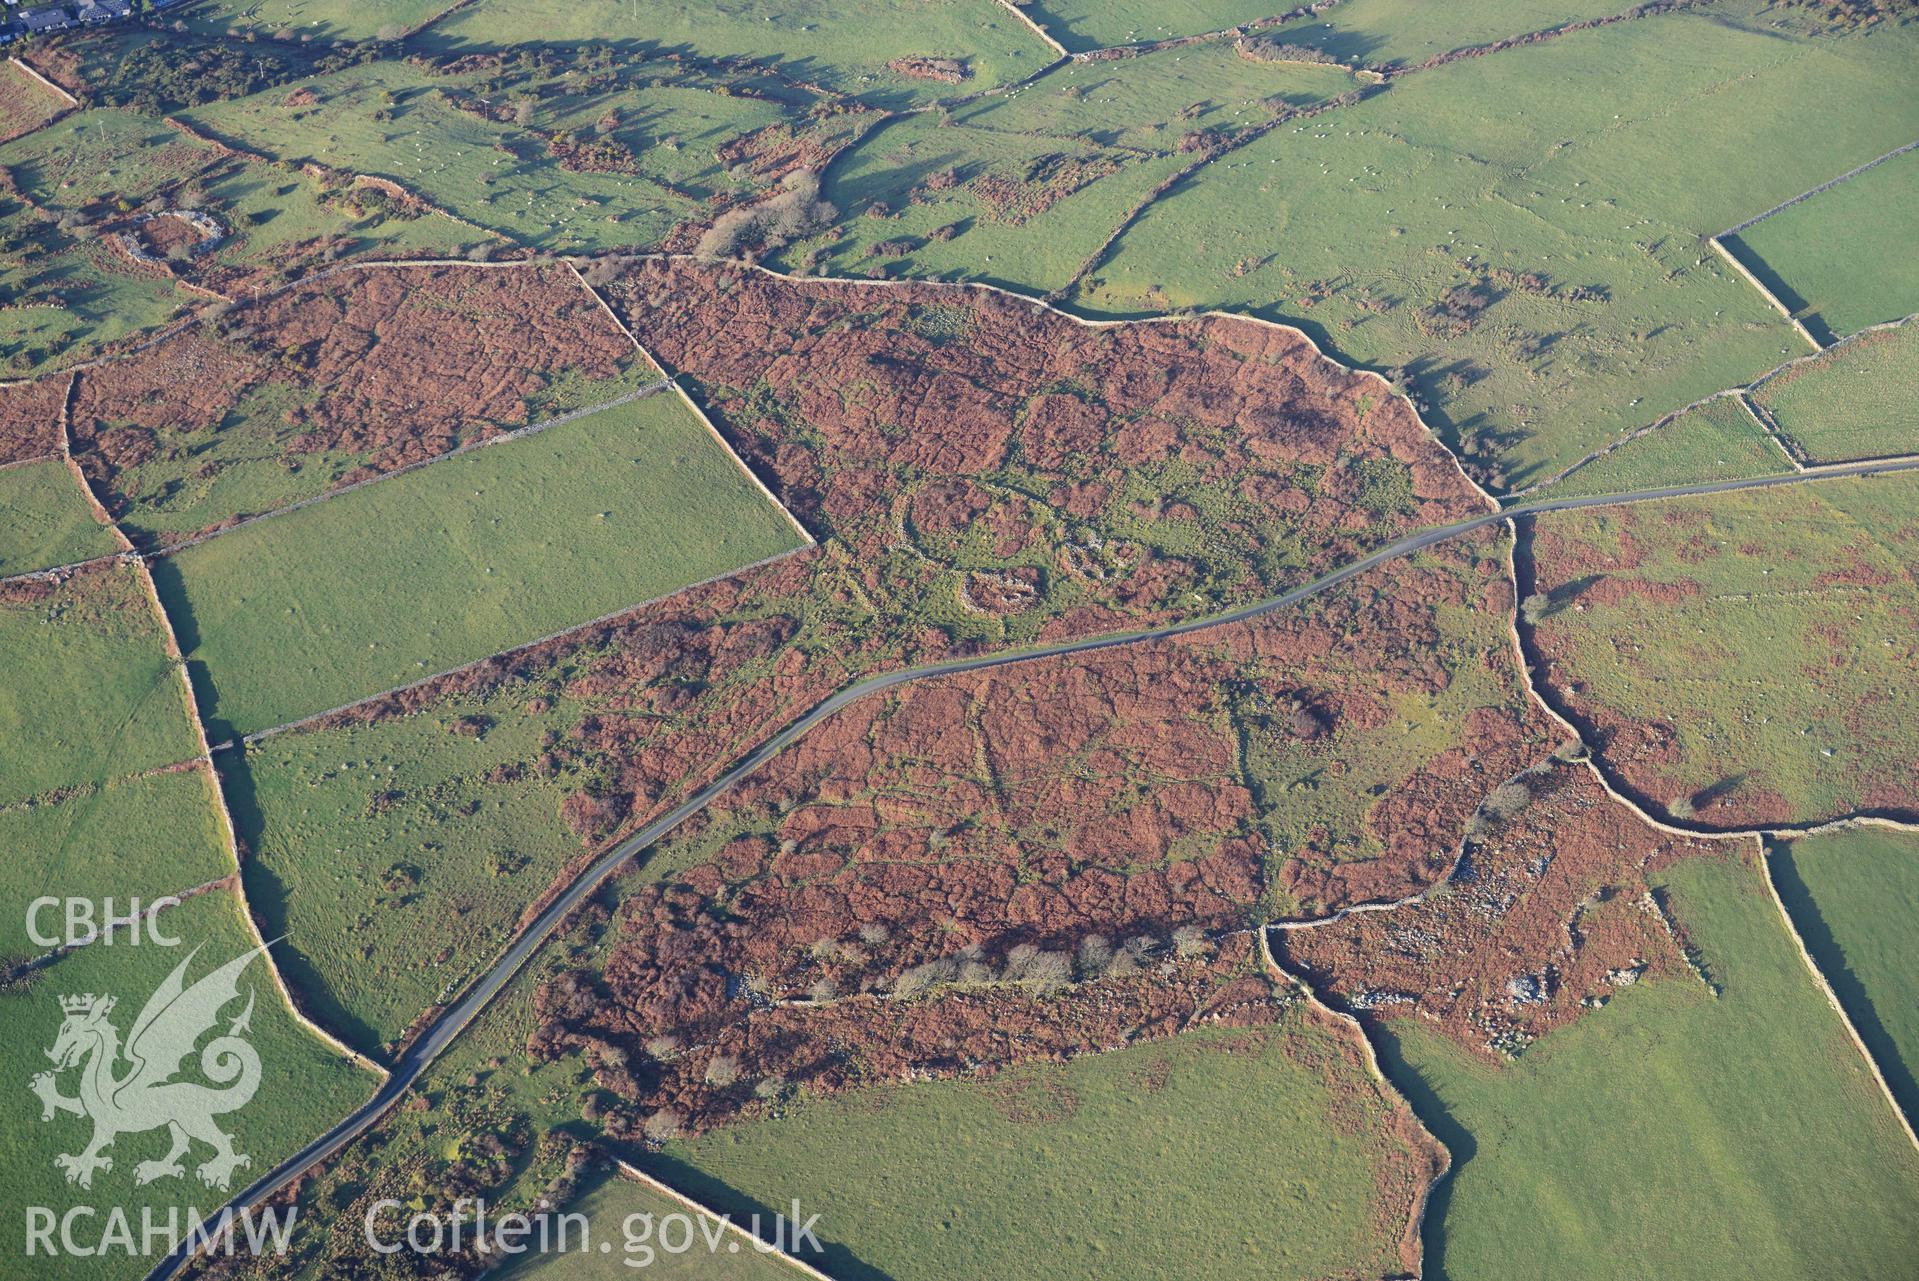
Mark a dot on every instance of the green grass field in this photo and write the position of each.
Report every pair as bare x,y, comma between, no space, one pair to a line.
90,694
271,215
1718,440
1856,402
1368,32
396,857
613,1209
485,142
1291,1128
82,303
1764,630
676,130
1844,256
842,46
304,1087
1047,245
1519,235
462,559
305,19
84,293
1678,1132
1148,102
1213,1155
137,838
1407,32
1080,25
80,299
1073,153
1519,241
102,154
1853,896
45,521
389,120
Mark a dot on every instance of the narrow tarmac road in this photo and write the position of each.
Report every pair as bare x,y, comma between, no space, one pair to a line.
456,1017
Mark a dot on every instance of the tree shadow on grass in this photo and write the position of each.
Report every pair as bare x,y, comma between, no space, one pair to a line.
1713,793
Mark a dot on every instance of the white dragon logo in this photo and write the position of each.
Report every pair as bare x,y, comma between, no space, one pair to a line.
145,1096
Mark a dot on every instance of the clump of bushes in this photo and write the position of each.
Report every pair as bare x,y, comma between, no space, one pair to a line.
1272,49
791,212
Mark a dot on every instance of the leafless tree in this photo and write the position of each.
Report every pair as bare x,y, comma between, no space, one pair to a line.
665,1124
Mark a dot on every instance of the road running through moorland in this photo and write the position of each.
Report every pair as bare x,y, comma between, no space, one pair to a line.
452,1021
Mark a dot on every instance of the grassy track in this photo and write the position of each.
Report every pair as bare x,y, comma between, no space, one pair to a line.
89,694
1718,440
1198,1158
1845,256
1860,401
1853,896
303,1086
1729,1131
463,559
844,45
45,521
